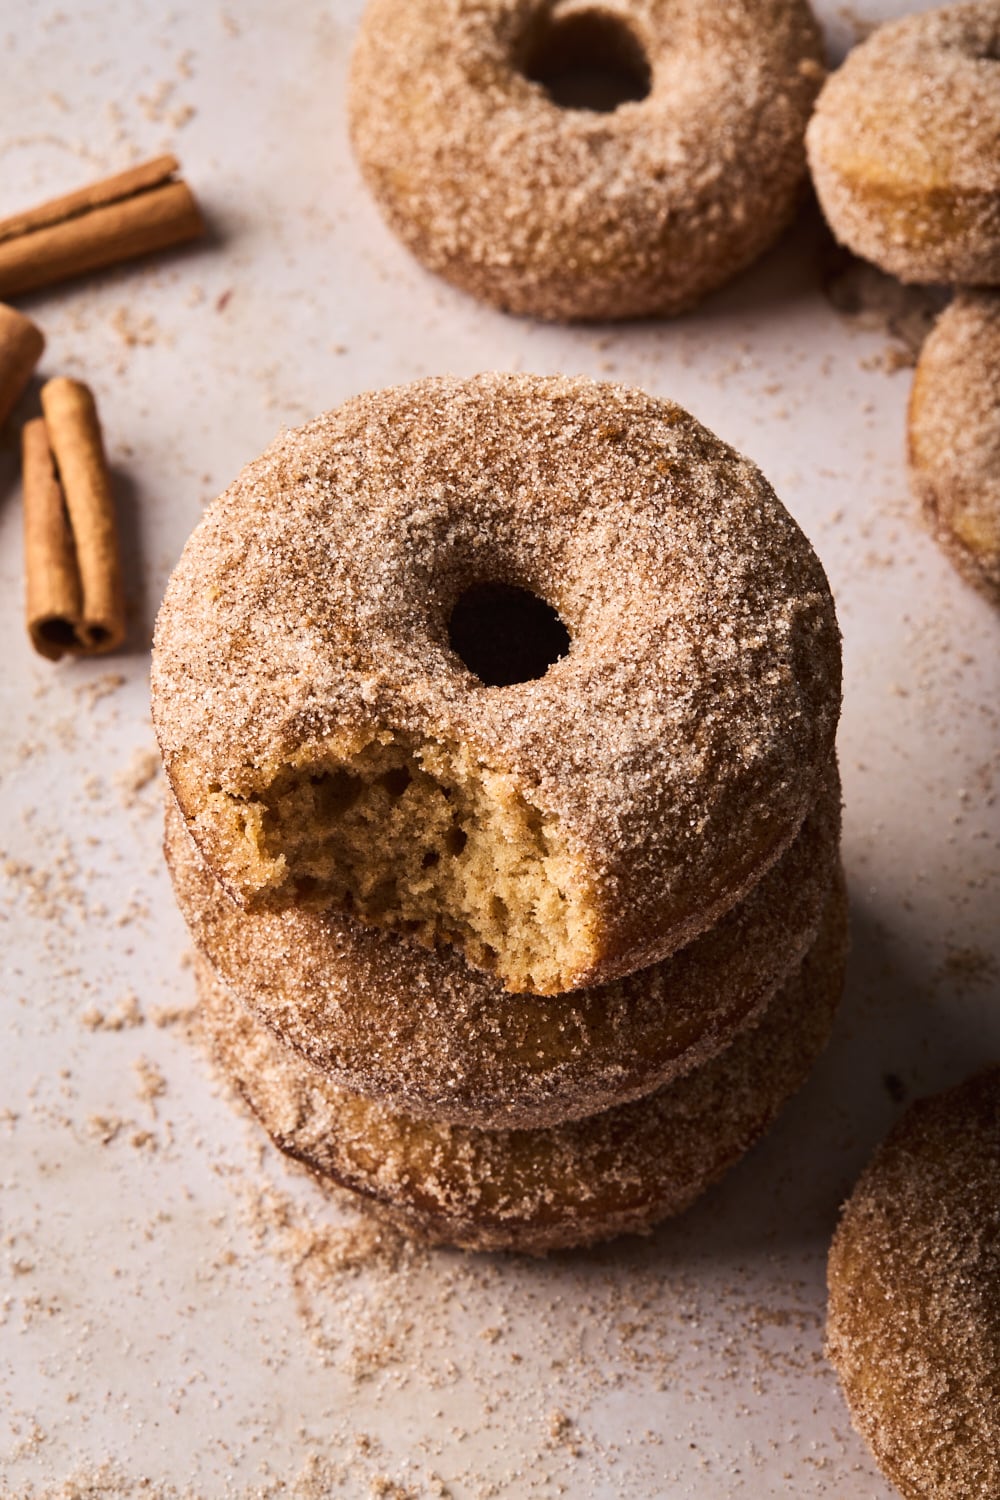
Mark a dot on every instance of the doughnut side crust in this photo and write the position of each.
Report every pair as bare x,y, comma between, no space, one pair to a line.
540,1190
567,213
954,436
434,1038
914,1312
327,746
904,146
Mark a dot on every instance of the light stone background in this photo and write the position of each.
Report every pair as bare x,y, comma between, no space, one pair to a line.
179,1309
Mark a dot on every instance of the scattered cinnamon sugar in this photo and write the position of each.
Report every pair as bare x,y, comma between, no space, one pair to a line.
143,769
151,1083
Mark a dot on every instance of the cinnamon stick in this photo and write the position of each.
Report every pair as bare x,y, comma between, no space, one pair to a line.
75,596
54,606
143,209
21,345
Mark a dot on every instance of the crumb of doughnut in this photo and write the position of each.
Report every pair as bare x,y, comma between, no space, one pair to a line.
904,146
914,1314
437,1039
954,436
651,774
424,840
539,1190
570,213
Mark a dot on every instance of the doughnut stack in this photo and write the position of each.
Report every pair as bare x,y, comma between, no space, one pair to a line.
499,717
904,148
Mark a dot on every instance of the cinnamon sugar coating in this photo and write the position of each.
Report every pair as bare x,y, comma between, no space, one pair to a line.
540,1190
660,767
914,1314
904,146
434,1038
954,436
571,213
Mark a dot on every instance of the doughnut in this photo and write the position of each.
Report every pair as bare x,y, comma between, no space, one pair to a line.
420,1029
954,436
532,666
476,127
904,146
539,1190
913,1326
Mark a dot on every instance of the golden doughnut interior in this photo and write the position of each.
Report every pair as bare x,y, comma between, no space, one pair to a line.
423,839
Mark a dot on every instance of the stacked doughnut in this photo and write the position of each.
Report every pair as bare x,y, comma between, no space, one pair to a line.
499,720
904,149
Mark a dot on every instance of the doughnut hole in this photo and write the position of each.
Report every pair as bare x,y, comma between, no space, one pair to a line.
589,59
422,839
505,634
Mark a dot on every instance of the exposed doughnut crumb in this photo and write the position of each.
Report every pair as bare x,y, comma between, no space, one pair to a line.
422,839
663,763
904,146
539,1190
914,1314
954,436
581,212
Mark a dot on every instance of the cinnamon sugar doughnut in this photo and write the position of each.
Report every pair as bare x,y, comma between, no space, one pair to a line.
328,744
468,132
539,1190
914,1315
954,436
904,146
434,1038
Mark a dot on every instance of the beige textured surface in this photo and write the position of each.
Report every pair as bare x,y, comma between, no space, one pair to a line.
914,1317
675,749
539,1190
569,213
954,436
904,147
389,1019
184,1315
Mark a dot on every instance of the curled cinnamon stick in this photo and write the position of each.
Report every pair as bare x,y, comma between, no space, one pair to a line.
21,345
75,596
133,213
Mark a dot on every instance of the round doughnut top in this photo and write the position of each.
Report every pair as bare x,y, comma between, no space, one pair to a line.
539,1190
904,146
914,1316
420,1028
954,430
566,212
675,748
